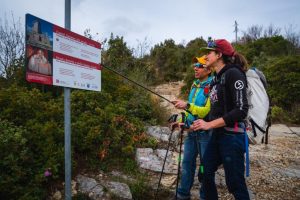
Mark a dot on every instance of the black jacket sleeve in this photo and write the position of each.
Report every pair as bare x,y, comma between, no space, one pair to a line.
236,95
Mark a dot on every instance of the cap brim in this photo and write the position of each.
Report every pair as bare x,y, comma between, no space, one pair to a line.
195,59
200,60
206,49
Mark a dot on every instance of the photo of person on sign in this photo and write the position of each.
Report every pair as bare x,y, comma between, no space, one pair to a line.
38,61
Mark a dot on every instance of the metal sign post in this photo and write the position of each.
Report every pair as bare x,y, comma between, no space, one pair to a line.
74,67
67,111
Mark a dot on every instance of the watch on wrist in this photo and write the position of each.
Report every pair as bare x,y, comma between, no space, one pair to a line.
188,105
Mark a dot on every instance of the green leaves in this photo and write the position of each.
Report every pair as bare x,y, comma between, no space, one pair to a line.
105,125
14,154
278,59
283,76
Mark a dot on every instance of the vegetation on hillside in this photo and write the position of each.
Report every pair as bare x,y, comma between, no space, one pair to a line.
107,126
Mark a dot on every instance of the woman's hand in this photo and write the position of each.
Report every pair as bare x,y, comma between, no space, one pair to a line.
200,124
179,104
176,125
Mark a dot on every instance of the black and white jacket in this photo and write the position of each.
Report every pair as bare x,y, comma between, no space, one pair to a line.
229,95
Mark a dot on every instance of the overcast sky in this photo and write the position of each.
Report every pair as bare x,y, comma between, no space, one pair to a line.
181,20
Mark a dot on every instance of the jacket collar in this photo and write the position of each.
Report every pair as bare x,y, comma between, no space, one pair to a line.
197,82
223,70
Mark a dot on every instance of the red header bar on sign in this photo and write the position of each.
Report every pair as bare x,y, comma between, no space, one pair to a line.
76,36
39,78
76,61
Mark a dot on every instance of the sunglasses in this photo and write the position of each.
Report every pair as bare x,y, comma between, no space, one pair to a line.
198,65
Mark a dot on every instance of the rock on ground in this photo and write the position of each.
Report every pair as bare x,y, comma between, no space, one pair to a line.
96,190
162,133
150,159
90,186
120,190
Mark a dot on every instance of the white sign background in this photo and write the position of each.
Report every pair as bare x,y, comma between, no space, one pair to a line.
70,68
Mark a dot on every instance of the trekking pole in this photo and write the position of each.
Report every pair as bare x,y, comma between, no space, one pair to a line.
138,84
163,167
179,158
201,168
269,125
114,71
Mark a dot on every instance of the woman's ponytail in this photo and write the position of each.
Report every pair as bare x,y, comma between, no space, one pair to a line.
240,60
236,59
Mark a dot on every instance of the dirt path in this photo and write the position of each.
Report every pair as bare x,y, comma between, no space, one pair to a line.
274,168
170,91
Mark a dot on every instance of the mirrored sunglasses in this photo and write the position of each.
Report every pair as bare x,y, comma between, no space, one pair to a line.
198,65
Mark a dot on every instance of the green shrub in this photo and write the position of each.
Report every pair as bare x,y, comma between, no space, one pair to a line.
140,189
284,84
41,140
278,114
16,180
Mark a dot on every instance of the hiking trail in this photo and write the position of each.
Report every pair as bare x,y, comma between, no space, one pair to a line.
274,168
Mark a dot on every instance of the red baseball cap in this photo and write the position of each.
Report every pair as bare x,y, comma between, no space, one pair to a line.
220,45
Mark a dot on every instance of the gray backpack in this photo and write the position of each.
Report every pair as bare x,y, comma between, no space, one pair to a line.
259,107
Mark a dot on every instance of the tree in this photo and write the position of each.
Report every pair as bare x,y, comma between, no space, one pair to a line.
271,31
192,49
283,75
142,48
167,58
292,36
269,46
103,41
253,33
11,45
118,55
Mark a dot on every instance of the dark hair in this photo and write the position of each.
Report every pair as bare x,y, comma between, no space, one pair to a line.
236,59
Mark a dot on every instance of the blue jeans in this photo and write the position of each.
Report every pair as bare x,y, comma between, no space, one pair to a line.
228,149
189,161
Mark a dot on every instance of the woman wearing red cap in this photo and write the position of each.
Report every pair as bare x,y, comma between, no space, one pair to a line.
229,107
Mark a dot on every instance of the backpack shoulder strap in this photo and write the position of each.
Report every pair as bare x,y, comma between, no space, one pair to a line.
222,83
261,76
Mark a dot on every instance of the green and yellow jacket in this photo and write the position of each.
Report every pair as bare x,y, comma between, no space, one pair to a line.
198,101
